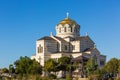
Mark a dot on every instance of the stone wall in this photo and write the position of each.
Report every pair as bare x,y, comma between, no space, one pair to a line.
75,46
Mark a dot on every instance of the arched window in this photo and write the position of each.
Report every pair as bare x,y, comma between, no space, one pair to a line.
65,29
78,30
73,47
71,29
40,49
74,29
65,47
59,30
57,46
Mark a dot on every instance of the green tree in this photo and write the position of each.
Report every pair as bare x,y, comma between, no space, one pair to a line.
91,66
64,63
119,67
35,68
92,69
11,68
50,65
5,70
27,66
112,66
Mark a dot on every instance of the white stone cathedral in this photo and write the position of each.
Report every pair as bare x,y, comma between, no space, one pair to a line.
67,41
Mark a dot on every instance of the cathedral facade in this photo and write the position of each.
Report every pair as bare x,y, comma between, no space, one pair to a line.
67,42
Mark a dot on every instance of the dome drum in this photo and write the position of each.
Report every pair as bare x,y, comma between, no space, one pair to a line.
67,27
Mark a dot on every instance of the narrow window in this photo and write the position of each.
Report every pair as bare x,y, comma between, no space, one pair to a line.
71,29
40,49
59,30
57,46
65,29
102,63
73,47
65,47
76,30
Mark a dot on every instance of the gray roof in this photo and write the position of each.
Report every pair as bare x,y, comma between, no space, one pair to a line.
45,38
61,39
88,49
81,38
50,38
80,58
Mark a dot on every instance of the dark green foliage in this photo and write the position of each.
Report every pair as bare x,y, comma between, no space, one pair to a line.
27,66
50,65
91,66
92,69
112,66
11,69
119,67
64,63
5,70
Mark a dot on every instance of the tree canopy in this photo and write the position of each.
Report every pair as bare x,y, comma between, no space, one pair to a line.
91,66
64,63
50,65
11,69
112,66
5,70
27,66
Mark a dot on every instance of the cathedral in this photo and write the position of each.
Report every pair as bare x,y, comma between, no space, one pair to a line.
67,42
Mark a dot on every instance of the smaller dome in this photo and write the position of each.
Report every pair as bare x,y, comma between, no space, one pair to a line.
67,21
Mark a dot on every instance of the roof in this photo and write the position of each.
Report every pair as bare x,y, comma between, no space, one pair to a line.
81,38
45,38
67,21
59,38
80,58
88,49
68,37
50,38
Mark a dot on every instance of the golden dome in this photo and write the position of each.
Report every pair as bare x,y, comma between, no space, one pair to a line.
67,21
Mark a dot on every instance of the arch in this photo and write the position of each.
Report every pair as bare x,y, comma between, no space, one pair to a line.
76,30
65,29
65,47
71,29
40,49
60,30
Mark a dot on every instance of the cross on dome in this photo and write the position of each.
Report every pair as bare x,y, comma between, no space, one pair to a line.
67,14
86,34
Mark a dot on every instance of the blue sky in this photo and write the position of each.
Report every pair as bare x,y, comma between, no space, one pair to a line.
22,22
